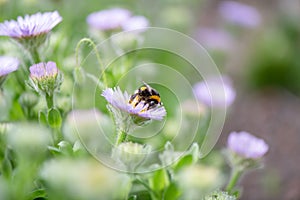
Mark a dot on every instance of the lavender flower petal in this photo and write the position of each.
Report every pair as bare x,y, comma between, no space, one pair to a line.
43,70
108,19
135,23
8,65
240,14
247,145
30,25
215,92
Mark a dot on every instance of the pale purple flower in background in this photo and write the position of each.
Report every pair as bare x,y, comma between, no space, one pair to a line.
135,23
240,14
215,91
30,25
120,100
8,64
247,145
214,39
108,19
43,70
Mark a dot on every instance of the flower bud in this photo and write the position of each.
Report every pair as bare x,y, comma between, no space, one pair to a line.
130,154
54,118
45,77
28,99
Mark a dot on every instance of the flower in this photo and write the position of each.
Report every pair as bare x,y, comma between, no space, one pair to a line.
135,23
215,91
45,77
119,100
31,25
240,14
7,65
108,19
214,39
43,70
247,145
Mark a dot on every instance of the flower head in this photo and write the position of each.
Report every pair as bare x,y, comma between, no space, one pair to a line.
119,100
135,23
215,92
239,14
30,25
45,77
247,145
43,70
7,65
110,19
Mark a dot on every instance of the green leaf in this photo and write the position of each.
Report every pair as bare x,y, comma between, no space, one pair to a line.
54,118
42,118
172,192
6,167
183,162
160,180
65,148
37,194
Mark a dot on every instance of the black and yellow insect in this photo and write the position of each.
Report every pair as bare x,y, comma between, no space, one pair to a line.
146,95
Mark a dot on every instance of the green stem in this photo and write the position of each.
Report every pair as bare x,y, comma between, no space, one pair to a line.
49,100
235,175
121,137
87,40
154,194
57,136
35,55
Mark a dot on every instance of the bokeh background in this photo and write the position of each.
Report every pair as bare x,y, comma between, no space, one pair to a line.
260,53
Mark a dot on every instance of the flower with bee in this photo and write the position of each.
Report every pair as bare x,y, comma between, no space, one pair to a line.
144,104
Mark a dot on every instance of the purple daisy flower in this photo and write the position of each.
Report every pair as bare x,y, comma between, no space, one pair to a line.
108,19
135,23
43,70
31,25
215,92
247,145
119,100
7,65
240,14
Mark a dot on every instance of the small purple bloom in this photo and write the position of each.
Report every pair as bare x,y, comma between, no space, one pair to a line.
8,65
31,25
247,145
215,91
108,19
135,23
240,14
214,39
43,70
119,100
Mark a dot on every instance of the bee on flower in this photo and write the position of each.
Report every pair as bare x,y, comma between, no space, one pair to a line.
144,104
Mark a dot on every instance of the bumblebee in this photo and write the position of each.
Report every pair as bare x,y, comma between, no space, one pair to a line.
146,95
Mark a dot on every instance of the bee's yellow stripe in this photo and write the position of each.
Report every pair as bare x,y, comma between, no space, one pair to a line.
155,97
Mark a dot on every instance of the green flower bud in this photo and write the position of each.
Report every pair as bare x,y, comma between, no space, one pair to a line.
131,155
54,118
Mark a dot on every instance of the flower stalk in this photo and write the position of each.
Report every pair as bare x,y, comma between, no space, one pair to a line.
121,137
235,176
